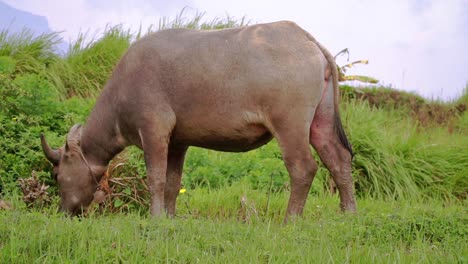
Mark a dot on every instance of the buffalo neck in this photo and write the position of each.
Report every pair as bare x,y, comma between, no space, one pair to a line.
99,140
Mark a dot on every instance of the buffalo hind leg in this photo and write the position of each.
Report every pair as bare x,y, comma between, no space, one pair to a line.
334,155
175,163
300,164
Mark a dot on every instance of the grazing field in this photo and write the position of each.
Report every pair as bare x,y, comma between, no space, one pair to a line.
410,173
213,227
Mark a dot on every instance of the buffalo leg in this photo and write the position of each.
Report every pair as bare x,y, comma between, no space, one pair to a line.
175,163
338,161
156,164
332,152
294,144
155,143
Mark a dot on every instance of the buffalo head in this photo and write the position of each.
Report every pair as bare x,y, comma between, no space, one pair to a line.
72,172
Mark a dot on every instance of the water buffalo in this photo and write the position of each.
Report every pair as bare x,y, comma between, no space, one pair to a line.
228,90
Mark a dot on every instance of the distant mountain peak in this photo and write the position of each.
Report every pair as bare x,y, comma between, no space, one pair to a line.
15,20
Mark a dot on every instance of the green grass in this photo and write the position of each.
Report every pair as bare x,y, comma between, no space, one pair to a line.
89,62
211,227
32,54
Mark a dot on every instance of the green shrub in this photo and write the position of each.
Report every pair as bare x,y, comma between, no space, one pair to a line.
20,149
7,65
36,95
31,106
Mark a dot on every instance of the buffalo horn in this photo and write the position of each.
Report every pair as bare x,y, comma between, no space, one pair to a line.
51,154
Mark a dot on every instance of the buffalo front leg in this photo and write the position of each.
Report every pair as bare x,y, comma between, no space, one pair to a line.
155,142
175,163
156,164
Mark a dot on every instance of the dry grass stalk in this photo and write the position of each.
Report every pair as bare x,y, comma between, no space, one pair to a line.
4,205
34,192
247,210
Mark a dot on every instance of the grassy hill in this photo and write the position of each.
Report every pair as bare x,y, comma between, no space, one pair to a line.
405,145
410,172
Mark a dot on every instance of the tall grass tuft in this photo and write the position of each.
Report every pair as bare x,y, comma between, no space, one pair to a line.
464,96
29,54
397,159
89,63
196,22
32,54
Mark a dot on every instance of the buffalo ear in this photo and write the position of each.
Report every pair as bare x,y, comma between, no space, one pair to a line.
52,155
74,137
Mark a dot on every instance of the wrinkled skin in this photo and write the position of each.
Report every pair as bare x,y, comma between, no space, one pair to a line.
228,90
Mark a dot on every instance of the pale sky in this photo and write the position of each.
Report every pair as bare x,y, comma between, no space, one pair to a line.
414,45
